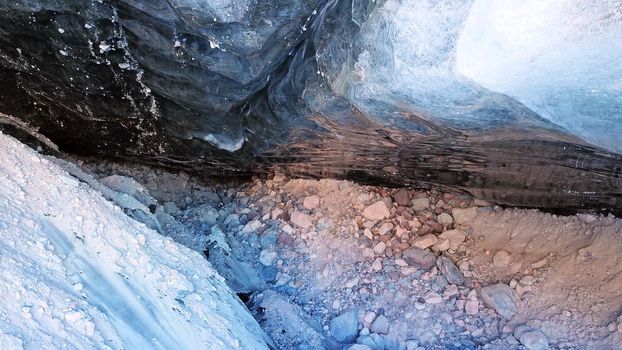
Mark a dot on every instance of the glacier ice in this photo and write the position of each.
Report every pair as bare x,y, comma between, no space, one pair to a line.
519,102
78,273
562,59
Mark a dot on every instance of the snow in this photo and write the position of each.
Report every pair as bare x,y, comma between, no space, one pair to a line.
77,273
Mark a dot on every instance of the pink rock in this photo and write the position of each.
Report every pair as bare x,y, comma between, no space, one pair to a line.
376,211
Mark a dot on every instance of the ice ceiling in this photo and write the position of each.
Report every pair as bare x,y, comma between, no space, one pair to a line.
516,101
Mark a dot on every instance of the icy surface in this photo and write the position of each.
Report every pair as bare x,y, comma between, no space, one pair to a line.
463,93
78,273
562,59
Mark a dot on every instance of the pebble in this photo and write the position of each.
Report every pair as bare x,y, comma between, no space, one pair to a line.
376,211
445,219
301,219
377,265
345,327
401,263
352,282
449,270
267,257
501,298
441,246
276,213
530,338
419,204
311,202
433,298
425,241
471,307
379,248
252,226
385,228
367,233
455,237
419,258
464,216
370,317
502,259
380,325
359,347
402,197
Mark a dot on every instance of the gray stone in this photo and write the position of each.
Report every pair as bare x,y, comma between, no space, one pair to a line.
419,258
530,338
445,219
420,204
501,298
449,270
380,325
345,327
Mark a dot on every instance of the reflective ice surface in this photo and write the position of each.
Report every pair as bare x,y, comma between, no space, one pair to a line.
519,102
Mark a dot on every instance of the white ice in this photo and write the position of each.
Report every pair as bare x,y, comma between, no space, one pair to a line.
77,273
561,58
458,60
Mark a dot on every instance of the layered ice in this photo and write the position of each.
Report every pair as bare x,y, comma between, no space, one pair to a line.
392,91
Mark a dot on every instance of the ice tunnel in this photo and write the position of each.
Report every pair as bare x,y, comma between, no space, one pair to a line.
516,102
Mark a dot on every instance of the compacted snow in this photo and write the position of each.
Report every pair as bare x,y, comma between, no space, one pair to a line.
76,272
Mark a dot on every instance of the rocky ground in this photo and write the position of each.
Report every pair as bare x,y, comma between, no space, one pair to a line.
335,265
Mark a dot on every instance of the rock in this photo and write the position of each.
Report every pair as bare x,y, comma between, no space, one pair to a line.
455,237
251,226
402,197
412,345
464,216
376,211
385,228
425,241
441,246
448,269
501,298
530,338
445,219
471,307
419,204
502,259
171,208
269,273
345,327
419,258
377,265
370,317
352,282
276,213
301,219
401,263
379,248
311,202
380,325
267,257
433,298
359,347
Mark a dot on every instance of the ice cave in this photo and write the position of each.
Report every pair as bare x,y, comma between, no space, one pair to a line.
311,174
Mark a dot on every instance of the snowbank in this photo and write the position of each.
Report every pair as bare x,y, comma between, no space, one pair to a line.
76,272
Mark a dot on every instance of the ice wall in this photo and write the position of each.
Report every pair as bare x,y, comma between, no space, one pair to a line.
517,101
562,59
